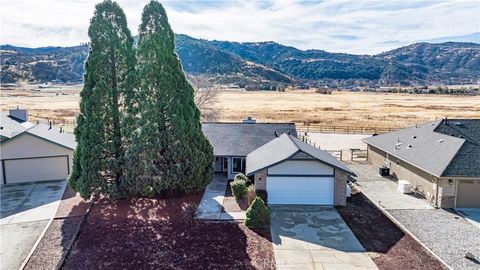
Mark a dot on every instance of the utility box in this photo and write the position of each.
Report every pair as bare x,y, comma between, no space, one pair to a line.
404,186
383,171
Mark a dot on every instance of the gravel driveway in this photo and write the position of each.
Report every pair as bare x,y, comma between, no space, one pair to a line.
446,233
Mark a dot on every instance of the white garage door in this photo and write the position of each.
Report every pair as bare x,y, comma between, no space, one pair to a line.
36,169
300,190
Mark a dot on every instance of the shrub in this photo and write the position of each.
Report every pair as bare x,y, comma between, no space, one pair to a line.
263,195
239,188
190,212
257,215
251,194
148,192
240,176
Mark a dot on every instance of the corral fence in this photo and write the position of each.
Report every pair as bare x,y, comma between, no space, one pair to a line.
302,127
353,154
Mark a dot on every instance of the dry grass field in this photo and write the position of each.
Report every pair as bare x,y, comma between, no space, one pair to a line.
60,103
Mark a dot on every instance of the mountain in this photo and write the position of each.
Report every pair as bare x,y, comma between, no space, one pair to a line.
224,62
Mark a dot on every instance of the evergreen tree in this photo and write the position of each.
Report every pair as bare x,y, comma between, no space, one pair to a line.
170,153
106,98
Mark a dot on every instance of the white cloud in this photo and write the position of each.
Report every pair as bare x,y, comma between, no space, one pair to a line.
357,26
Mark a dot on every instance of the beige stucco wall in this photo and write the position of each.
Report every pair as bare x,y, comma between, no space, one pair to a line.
29,146
261,180
340,188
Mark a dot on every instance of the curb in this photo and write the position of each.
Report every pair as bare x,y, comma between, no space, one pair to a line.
403,228
74,237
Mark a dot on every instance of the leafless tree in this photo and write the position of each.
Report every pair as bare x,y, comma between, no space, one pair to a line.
205,97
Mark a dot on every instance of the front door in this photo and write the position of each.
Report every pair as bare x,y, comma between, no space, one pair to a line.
218,164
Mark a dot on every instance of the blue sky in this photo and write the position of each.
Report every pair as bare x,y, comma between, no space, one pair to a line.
357,26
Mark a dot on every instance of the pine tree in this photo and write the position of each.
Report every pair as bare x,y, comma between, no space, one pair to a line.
170,153
106,99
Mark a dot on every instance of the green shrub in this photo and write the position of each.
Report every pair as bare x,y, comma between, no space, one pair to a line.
251,195
148,192
257,215
239,188
240,176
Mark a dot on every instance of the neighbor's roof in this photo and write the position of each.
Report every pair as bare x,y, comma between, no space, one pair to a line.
239,139
441,148
10,126
44,131
285,147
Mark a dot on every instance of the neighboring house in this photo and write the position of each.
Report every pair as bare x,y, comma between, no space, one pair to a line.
291,171
294,172
232,142
31,152
440,159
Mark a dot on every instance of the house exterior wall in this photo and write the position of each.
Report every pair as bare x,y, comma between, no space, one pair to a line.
261,180
301,167
29,146
340,188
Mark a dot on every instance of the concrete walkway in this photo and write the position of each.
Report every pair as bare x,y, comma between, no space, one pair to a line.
25,212
315,237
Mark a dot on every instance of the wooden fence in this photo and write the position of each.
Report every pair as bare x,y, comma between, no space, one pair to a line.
342,155
342,129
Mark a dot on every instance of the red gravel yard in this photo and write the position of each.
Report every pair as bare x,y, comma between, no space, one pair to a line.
392,248
153,234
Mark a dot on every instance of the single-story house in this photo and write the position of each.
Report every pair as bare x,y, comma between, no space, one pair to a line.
33,152
288,169
232,142
441,159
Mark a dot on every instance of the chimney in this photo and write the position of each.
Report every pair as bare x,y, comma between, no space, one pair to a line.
19,114
249,120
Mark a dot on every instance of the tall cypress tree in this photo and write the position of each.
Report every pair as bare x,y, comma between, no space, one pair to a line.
170,151
106,98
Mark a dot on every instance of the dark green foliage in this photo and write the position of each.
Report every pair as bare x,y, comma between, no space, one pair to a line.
168,151
239,188
106,95
257,215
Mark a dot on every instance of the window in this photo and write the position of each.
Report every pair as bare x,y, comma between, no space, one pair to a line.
238,165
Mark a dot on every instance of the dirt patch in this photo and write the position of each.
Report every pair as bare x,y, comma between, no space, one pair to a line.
152,234
232,204
392,248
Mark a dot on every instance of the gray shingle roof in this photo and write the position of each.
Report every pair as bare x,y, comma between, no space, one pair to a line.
239,139
284,147
435,147
43,130
10,126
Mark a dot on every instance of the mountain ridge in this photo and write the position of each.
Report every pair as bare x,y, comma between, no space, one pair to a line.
269,63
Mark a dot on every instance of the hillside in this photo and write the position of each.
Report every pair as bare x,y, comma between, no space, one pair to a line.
269,63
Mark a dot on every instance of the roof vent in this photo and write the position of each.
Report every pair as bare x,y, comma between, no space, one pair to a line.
440,141
249,120
409,146
19,114
414,137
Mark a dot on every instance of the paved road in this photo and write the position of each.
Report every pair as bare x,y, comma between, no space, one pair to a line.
315,237
25,211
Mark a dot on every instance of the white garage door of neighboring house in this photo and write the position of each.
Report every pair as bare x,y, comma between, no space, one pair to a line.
36,169
300,190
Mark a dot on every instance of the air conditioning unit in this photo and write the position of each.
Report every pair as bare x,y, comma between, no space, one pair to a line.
404,186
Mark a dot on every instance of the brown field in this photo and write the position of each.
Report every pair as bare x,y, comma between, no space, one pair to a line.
60,104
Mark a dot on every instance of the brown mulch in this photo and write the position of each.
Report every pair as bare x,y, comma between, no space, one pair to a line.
393,248
60,233
232,204
153,234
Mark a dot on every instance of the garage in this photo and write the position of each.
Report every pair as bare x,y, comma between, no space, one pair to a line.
300,190
293,172
35,169
468,194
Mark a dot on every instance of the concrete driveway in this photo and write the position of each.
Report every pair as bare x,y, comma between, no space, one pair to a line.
314,237
25,212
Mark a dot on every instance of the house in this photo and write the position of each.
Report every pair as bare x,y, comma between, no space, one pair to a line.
232,142
288,169
33,152
441,159
294,172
